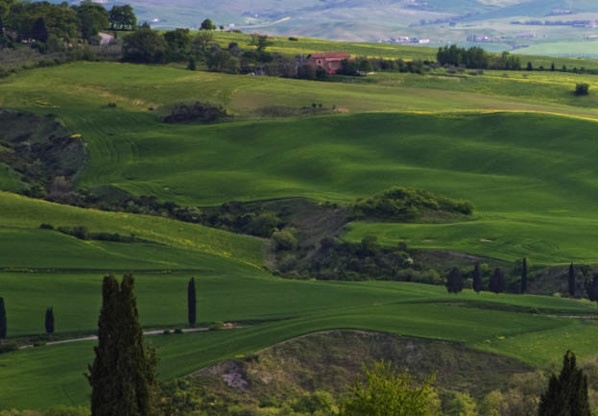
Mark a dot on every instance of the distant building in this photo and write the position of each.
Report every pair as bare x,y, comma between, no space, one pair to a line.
330,61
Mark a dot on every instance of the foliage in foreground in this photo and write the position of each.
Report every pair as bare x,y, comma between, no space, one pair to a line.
567,394
389,393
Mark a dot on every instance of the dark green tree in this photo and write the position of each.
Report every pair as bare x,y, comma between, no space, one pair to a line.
524,275
178,44
567,394
122,18
497,281
454,281
93,17
207,24
592,288
122,376
49,321
529,66
2,320
191,302
261,42
477,278
582,89
571,280
39,30
145,45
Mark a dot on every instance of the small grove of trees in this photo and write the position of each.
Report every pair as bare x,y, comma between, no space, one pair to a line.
476,58
567,393
56,27
122,376
386,392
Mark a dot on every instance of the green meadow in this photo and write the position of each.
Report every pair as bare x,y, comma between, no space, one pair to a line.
519,146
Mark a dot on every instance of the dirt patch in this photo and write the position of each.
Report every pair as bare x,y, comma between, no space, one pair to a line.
331,361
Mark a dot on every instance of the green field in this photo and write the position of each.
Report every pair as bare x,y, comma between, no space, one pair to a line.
519,146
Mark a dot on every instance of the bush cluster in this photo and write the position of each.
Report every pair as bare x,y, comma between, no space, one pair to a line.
196,112
404,204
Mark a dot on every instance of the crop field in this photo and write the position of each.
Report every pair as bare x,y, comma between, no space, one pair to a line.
519,146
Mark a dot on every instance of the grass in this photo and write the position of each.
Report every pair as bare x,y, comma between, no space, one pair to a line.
289,308
22,216
519,147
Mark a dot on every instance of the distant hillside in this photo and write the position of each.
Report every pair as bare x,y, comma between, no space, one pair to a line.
559,27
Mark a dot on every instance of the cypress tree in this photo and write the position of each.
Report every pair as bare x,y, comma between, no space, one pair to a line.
571,280
524,275
49,321
454,281
567,394
592,288
122,375
191,302
497,281
477,279
2,320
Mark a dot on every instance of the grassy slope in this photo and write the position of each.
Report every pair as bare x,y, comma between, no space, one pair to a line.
308,306
530,185
331,157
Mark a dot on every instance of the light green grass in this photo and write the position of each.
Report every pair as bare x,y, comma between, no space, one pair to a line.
20,213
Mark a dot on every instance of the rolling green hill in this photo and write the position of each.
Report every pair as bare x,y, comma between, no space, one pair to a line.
519,146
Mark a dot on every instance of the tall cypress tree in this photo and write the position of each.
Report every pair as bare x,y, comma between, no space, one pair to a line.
567,394
191,302
497,281
122,375
524,275
2,320
571,280
49,321
477,278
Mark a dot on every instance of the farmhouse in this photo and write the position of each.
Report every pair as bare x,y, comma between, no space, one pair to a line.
330,61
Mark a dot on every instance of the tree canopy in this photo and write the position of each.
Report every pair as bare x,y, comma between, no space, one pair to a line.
567,394
388,393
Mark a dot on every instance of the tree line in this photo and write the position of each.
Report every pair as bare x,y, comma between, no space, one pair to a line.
456,278
52,27
49,313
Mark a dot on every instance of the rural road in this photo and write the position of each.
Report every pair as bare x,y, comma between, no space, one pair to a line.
94,337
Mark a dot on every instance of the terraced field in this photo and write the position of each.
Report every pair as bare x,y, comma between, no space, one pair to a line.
520,147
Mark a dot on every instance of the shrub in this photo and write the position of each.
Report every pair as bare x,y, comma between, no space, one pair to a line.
284,240
582,89
45,226
200,112
8,347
